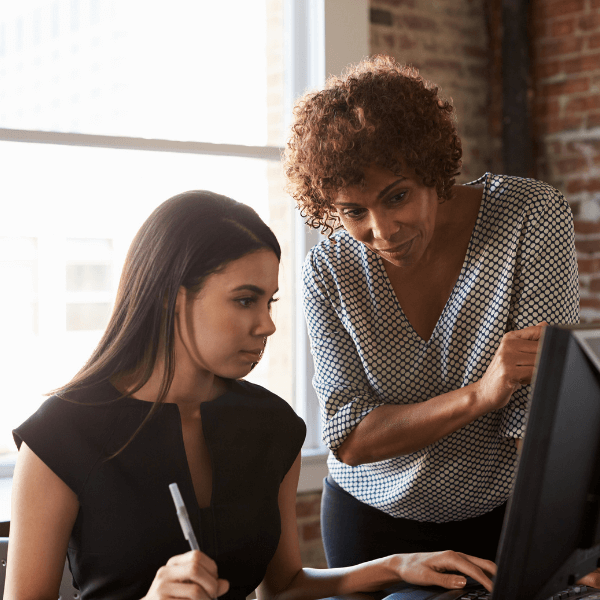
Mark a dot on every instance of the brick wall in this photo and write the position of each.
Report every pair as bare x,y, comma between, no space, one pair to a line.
566,108
447,41
308,506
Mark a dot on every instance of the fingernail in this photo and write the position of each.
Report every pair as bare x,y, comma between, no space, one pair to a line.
461,582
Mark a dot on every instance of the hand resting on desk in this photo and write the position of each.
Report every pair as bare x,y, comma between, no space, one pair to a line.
432,568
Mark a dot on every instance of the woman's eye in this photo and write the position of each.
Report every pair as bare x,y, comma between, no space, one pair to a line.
246,302
396,198
353,213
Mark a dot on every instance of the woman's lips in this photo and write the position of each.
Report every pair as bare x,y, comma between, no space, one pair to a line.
396,252
253,353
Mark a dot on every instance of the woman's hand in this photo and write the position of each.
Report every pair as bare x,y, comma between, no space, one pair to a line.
192,576
511,367
432,568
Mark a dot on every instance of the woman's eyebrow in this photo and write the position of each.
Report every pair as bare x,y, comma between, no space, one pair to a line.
382,193
252,288
386,189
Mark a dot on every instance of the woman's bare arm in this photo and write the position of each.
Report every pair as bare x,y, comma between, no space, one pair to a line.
394,430
43,511
287,580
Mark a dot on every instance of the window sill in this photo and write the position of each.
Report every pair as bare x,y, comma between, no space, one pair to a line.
314,470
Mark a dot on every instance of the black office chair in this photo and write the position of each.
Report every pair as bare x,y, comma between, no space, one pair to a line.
66,592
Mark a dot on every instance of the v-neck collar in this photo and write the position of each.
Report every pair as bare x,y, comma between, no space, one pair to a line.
376,263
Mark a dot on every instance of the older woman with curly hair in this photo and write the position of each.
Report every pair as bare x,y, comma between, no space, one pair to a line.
425,305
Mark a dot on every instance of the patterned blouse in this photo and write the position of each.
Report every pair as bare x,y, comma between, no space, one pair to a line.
520,268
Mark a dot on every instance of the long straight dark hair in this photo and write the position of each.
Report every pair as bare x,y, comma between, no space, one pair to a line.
186,239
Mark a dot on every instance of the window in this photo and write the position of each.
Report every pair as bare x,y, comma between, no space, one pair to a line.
107,109
124,104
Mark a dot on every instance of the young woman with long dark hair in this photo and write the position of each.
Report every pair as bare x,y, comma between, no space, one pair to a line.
161,401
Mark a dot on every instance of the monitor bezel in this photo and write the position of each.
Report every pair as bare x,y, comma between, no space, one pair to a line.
560,346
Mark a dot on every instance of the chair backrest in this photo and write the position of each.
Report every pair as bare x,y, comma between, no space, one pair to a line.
66,592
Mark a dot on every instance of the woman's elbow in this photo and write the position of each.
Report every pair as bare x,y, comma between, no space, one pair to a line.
349,453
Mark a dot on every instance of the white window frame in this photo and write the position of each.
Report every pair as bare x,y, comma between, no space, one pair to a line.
321,37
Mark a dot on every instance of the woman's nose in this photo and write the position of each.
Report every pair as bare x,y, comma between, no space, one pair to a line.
382,227
266,325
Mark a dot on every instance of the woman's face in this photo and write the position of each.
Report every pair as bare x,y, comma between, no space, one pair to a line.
223,329
394,215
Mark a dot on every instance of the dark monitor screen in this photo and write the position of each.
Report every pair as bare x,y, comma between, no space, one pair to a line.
551,534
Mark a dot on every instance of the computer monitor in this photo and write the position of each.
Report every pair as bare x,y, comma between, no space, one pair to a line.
551,533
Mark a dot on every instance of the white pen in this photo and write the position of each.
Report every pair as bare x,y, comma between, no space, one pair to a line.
184,519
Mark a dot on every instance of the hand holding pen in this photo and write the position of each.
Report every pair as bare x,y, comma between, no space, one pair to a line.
191,575
184,518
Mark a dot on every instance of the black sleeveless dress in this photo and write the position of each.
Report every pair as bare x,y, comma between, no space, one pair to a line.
127,526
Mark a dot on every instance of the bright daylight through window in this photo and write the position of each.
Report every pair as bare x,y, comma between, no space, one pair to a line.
205,77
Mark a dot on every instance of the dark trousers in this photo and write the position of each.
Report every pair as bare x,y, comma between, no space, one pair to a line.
354,532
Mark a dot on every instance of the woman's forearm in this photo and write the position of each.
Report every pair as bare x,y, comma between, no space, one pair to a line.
446,569
310,584
394,429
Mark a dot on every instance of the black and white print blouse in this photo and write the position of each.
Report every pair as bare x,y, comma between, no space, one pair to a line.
520,268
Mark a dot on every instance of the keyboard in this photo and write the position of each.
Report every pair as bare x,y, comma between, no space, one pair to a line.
477,592
572,593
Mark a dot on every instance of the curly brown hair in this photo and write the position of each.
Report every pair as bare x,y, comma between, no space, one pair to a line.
378,112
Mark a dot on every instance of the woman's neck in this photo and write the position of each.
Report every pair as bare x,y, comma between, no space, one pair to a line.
188,389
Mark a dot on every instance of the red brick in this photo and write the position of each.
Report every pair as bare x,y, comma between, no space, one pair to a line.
308,508
555,125
554,149
406,43
539,29
585,228
419,23
562,28
575,146
583,104
583,185
468,33
560,8
475,51
542,70
571,165
432,47
595,284
589,265
593,120
595,3
389,39
546,107
594,41
560,47
588,246
589,22
481,72
582,63
589,303
445,65
570,86
394,3
311,531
